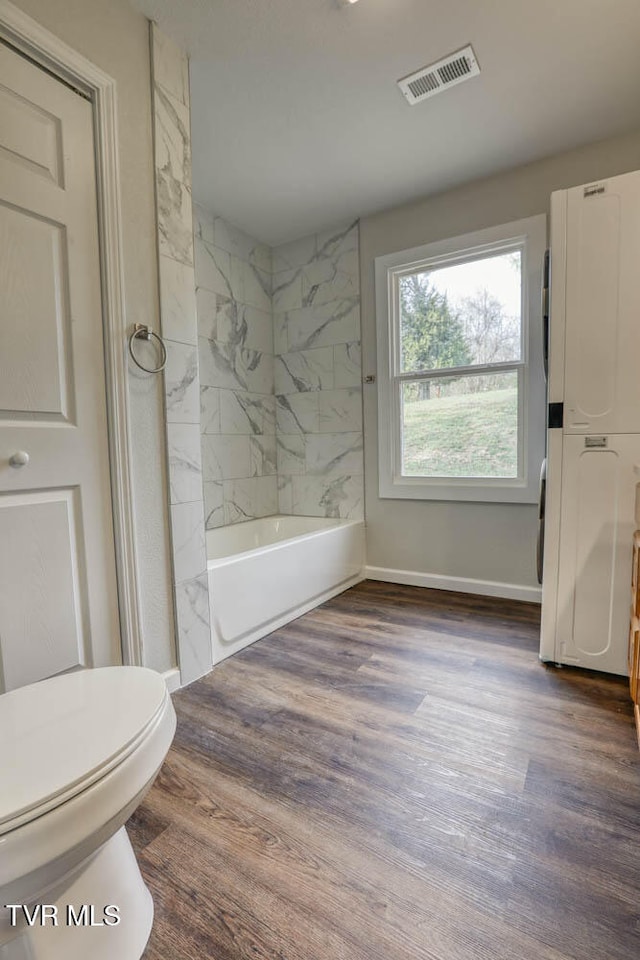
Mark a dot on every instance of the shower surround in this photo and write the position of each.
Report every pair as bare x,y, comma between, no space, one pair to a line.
235,336
280,374
318,375
172,137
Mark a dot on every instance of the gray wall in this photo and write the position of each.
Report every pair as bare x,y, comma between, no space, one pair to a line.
115,38
477,540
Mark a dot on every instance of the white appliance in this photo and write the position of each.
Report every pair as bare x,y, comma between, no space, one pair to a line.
588,510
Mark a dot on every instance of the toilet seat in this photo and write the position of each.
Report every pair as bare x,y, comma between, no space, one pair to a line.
61,736
78,754
62,823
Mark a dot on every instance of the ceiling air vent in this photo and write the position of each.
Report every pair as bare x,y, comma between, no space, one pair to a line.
458,66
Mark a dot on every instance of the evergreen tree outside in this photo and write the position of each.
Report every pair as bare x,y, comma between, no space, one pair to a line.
432,335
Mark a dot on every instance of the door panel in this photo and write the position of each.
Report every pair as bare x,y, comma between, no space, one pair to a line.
34,377
30,135
44,623
58,601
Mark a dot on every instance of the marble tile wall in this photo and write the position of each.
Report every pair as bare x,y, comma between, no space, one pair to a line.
235,327
318,375
172,139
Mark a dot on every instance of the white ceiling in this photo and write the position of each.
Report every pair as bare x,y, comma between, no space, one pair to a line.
298,123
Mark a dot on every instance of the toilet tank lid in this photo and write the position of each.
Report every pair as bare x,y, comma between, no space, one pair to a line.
59,736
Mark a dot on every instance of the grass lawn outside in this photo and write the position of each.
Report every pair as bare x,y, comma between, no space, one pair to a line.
469,435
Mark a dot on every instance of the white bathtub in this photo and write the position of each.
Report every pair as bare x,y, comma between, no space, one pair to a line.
264,573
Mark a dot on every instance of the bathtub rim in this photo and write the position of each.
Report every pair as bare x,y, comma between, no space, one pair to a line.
338,523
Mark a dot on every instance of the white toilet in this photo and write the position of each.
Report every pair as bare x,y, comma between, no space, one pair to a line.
77,754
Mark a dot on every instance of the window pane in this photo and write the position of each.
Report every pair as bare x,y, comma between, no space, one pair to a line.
462,315
461,427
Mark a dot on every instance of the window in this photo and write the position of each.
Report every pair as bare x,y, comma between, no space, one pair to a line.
460,382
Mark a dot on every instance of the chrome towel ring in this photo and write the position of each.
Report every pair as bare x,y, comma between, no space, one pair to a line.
142,332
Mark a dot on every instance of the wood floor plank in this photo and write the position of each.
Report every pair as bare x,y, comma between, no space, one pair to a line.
395,776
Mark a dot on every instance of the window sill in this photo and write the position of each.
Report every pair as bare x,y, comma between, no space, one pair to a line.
470,491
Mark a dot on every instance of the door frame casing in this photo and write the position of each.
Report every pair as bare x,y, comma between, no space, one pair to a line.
55,56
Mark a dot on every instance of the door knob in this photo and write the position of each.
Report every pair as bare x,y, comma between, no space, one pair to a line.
19,459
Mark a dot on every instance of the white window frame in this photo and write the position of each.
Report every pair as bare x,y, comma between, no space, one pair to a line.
529,236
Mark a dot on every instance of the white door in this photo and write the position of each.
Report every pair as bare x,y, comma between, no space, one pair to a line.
58,601
596,538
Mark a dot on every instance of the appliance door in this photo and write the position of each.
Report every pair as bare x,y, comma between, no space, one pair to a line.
598,523
542,499
602,305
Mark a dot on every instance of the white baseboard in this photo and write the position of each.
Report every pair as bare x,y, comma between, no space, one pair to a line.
436,581
172,679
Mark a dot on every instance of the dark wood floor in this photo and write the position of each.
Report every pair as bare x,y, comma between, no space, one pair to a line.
396,776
